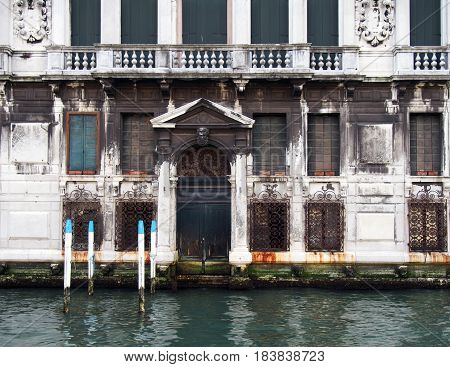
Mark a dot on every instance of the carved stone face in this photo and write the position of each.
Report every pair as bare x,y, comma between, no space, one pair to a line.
202,135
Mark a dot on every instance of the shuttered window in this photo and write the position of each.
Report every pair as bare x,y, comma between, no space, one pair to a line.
323,18
269,145
82,143
85,22
270,21
205,21
139,21
425,21
425,144
323,145
138,146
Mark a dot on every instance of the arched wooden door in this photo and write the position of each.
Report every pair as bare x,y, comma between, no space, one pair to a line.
203,204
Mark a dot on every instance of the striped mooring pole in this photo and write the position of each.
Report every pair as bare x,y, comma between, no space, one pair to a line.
153,257
91,258
67,263
141,265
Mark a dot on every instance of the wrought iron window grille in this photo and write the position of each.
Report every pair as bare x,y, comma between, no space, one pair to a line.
325,226
269,220
427,215
134,205
81,206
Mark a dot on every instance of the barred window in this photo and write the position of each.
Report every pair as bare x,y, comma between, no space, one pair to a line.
324,226
425,144
138,146
128,213
323,145
269,135
269,221
81,212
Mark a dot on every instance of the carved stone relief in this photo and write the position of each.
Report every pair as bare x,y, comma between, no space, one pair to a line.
375,144
32,19
374,20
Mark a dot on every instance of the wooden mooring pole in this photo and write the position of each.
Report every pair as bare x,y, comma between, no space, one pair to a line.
91,258
67,264
153,257
141,265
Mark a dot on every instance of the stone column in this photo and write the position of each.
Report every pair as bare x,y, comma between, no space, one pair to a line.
298,26
164,254
402,24
241,22
110,21
240,254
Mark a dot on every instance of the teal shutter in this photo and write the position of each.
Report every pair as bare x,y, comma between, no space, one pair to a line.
139,21
83,143
270,21
76,145
90,143
323,18
205,21
85,22
425,20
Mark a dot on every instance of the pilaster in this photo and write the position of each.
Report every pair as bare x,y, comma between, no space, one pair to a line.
5,25
241,18
347,35
167,22
110,21
402,22
298,26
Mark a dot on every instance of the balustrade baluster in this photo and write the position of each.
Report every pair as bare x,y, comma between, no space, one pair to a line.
85,61
426,63
221,60
69,61
126,60
418,62
254,60
287,59
271,61
191,61
228,59
134,59
321,64
198,60
93,63
206,59
77,61
313,61
279,61
213,60
262,59
442,61
183,59
337,62
118,59
328,63
150,60
434,61
142,59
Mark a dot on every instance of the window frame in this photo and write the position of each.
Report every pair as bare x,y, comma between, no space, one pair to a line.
97,150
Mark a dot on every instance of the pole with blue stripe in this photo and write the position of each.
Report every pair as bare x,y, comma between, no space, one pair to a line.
91,258
141,265
153,257
67,263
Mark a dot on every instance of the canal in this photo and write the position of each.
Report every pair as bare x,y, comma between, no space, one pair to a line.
205,317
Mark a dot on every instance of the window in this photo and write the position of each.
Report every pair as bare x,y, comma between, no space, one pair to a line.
427,218
324,225
425,22
323,18
425,144
85,22
82,143
269,145
205,22
81,212
323,145
270,21
138,146
269,221
128,213
139,21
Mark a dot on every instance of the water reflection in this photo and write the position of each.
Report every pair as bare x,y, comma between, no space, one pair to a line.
288,317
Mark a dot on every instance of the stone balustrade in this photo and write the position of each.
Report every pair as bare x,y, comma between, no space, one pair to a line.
421,60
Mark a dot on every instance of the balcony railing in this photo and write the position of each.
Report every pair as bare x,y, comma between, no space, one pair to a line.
239,59
421,60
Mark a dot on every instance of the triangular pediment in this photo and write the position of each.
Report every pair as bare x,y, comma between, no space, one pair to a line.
202,112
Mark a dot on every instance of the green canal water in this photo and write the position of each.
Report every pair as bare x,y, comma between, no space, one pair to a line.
205,317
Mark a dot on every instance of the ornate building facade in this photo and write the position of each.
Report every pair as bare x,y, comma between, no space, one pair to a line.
281,131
